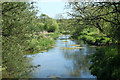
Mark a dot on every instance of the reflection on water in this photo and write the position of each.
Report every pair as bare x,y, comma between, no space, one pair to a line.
64,63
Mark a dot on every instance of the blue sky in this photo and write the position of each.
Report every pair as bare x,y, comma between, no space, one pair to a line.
52,8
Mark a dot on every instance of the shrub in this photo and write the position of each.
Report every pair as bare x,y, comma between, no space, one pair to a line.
105,63
38,44
51,25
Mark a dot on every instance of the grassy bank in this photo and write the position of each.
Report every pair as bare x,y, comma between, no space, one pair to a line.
92,36
40,42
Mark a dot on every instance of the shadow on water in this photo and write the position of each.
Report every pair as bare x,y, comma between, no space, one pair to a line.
64,63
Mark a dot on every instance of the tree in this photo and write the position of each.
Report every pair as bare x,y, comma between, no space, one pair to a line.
98,14
17,20
51,25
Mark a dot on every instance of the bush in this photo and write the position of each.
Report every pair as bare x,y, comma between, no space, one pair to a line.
51,25
93,38
38,44
105,63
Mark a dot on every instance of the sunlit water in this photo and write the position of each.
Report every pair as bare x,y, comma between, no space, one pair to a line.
64,63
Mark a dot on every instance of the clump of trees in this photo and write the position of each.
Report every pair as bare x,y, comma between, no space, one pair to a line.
102,15
66,26
16,19
50,24
22,31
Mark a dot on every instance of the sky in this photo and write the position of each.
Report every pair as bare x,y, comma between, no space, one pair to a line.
51,8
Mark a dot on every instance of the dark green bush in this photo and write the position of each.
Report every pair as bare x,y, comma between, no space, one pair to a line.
51,25
92,38
105,63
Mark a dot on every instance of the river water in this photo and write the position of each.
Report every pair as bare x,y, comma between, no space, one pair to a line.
63,63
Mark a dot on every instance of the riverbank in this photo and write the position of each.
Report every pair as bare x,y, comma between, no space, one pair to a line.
40,42
93,36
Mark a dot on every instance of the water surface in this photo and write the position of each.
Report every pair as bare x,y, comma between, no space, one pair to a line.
64,63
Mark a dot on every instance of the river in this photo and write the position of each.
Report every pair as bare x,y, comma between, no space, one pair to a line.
63,63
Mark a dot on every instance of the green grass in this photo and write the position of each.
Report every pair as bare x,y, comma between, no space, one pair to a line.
40,43
94,37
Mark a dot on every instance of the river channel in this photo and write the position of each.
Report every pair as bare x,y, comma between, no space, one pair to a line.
64,60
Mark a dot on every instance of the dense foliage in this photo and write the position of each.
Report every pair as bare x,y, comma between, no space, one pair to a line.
94,37
101,15
106,63
14,27
22,32
50,24
66,26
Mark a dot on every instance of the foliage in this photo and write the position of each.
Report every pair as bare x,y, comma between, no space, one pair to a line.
104,16
49,24
16,19
22,31
105,63
39,43
66,26
92,36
